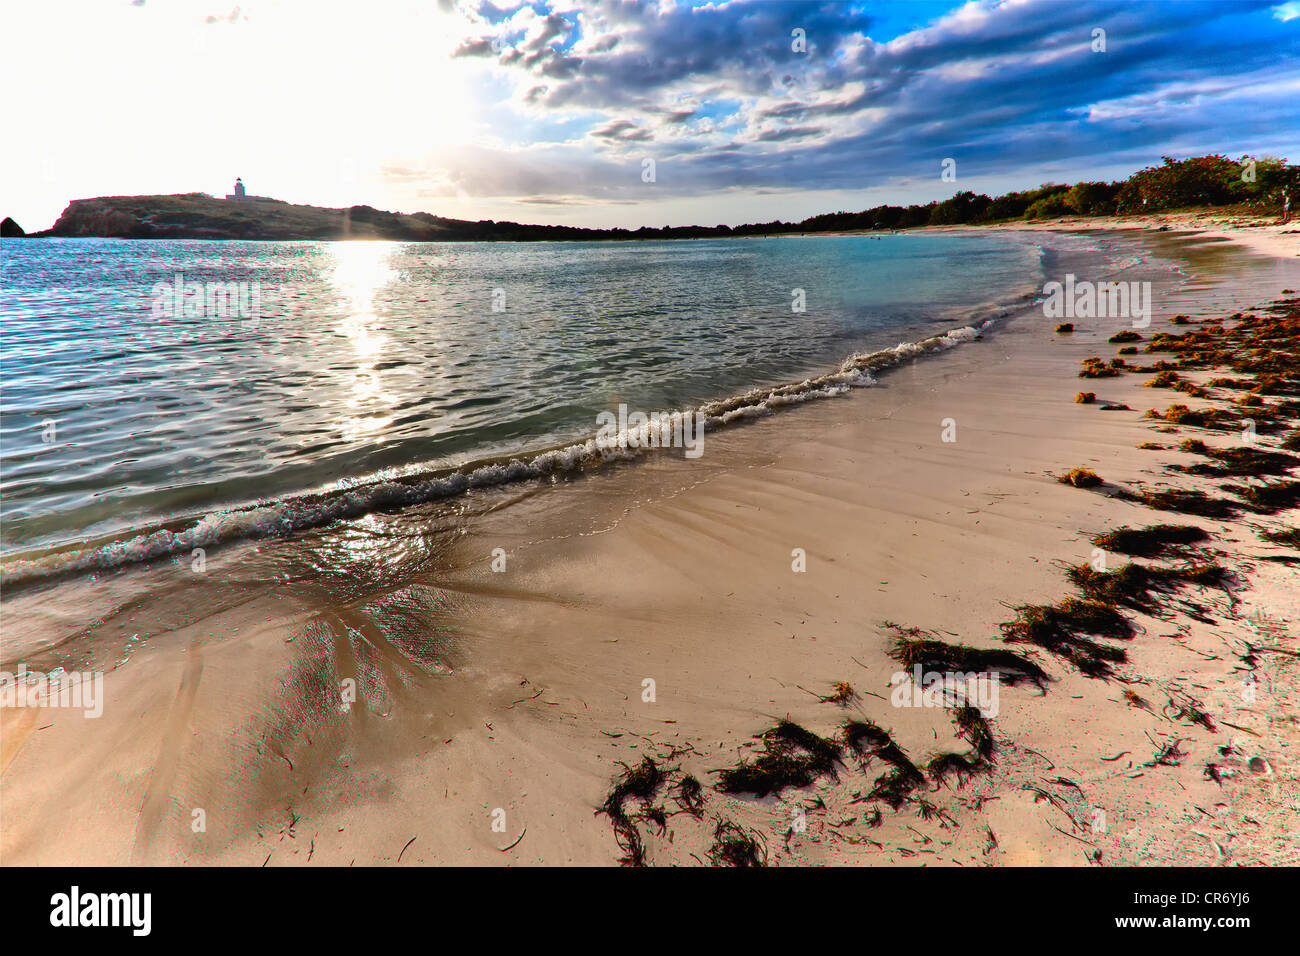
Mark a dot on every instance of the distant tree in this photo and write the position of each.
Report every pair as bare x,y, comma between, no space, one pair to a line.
1092,199
915,215
1262,181
1009,206
1198,181
961,208
1048,208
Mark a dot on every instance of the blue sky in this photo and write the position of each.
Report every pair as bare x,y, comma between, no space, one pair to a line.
548,111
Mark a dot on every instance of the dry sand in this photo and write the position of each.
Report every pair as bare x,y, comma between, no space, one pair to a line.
494,708
1264,235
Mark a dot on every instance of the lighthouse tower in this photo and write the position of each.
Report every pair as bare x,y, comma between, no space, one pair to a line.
239,190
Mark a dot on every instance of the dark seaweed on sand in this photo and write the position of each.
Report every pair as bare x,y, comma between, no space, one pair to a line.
690,795
1059,628
1095,368
1154,541
972,726
1081,478
1244,461
892,787
863,737
938,656
1135,585
1287,536
1187,502
1269,498
788,737
641,782
792,757
735,846
963,766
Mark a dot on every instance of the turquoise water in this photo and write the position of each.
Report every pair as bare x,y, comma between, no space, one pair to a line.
356,362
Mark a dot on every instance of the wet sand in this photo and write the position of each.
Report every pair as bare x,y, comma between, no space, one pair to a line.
494,709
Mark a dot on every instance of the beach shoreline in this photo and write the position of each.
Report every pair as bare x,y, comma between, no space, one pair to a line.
494,708
1262,234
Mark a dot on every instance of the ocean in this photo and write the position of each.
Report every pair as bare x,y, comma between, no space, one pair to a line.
160,396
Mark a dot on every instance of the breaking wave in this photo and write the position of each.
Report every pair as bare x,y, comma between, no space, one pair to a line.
302,512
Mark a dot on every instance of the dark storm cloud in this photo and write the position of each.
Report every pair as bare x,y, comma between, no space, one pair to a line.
621,130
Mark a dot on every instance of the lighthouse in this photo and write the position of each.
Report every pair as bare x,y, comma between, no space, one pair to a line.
239,190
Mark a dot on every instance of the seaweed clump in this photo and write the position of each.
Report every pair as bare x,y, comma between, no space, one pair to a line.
1213,418
735,846
1163,380
1080,478
1287,536
1269,498
641,782
792,757
1093,367
1135,585
1059,628
1181,500
842,694
1245,461
896,784
937,656
972,726
1152,542
690,795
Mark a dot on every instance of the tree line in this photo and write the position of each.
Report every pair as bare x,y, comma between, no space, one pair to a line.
1261,185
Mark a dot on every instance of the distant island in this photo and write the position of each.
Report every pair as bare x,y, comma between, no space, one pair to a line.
1266,186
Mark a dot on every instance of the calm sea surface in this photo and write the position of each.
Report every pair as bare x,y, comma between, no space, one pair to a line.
357,361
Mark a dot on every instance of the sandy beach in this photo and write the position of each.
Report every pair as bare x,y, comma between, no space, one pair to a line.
1262,234
482,682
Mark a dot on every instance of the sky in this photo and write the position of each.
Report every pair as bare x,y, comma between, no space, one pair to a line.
552,112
